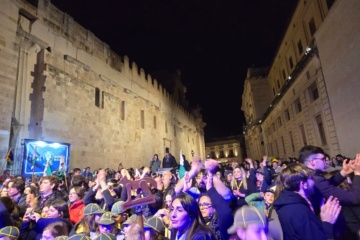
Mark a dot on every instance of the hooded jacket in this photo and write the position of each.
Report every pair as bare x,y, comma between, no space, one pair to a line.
297,219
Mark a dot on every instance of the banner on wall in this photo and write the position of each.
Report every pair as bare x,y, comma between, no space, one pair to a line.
44,158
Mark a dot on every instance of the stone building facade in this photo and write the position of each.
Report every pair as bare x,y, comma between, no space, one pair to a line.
60,83
226,150
313,81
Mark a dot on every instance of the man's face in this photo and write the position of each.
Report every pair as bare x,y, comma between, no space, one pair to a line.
46,187
275,164
201,180
12,191
166,178
77,173
269,197
259,176
87,170
317,162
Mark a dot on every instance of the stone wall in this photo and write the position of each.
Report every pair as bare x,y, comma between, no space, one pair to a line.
63,84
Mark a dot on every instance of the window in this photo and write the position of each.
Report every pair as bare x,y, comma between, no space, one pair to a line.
321,129
307,75
303,135
287,115
292,141
300,47
278,83
142,114
291,63
269,149
102,99
297,104
284,74
273,127
274,91
212,155
313,92
279,121
283,144
222,155
97,97
277,148
231,153
154,122
312,26
122,111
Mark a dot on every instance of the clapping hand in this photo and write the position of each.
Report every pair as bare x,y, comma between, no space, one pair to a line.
330,210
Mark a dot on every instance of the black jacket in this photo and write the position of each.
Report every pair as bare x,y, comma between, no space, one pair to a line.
297,219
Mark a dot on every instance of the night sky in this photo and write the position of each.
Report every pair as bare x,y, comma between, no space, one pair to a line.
212,43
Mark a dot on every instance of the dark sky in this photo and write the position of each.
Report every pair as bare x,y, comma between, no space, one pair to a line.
211,42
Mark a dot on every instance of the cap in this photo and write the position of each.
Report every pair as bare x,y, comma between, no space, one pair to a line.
130,220
61,238
106,219
10,231
260,170
270,190
105,236
154,223
274,160
227,172
245,216
117,208
93,208
79,236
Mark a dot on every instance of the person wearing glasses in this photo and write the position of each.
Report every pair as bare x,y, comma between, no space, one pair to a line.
186,220
314,158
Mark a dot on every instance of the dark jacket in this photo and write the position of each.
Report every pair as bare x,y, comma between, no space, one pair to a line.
266,184
5,219
56,195
41,224
198,234
105,203
169,162
297,219
224,214
155,165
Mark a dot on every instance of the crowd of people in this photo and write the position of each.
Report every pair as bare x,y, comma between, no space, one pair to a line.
309,197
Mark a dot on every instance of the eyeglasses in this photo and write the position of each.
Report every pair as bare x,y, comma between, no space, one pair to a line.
205,205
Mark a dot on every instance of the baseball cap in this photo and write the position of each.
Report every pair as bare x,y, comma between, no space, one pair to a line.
79,236
105,236
107,218
274,160
117,208
10,231
260,170
245,216
154,223
270,190
93,208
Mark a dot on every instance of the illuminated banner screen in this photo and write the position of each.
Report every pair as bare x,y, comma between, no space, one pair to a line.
44,158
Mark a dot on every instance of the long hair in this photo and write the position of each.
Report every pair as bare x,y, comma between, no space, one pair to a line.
62,208
88,224
244,180
57,229
196,220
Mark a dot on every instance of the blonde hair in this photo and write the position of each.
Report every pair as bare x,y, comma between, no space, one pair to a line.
244,180
136,232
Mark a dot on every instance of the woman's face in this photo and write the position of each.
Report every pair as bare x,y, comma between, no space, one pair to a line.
237,173
206,207
53,213
73,197
168,201
47,235
44,212
4,192
117,176
179,218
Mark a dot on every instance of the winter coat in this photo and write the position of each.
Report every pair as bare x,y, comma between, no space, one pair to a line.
76,211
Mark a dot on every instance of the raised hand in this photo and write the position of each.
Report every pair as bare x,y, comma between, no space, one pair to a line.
330,210
209,181
211,165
